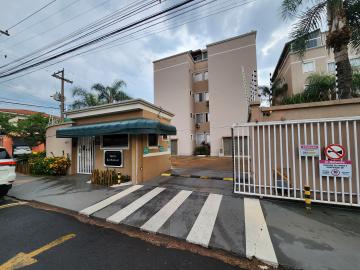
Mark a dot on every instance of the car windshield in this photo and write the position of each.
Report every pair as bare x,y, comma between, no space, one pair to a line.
4,154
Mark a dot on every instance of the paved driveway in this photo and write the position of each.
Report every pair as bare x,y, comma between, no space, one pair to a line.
206,212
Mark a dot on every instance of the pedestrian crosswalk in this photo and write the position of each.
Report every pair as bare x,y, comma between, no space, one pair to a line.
201,231
131,208
157,220
157,210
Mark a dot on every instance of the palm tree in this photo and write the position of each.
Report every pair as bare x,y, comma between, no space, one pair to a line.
85,98
343,19
112,93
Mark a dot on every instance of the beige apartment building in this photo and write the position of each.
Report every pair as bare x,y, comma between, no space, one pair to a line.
208,92
317,59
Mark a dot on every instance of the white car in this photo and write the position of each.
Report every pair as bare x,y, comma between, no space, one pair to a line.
22,150
7,171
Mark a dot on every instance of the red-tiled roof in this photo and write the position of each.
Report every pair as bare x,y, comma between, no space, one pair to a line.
22,112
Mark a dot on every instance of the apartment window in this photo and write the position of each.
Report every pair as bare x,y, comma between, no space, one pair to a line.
153,140
308,67
331,67
115,141
355,62
201,97
201,118
198,77
206,75
313,43
201,138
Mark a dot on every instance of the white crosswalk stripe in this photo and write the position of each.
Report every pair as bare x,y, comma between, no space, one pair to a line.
135,205
202,229
102,204
258,241
157,220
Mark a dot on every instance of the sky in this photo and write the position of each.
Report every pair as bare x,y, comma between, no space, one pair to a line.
131,61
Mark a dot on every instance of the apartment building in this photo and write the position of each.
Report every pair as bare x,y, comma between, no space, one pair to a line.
294,70
207,90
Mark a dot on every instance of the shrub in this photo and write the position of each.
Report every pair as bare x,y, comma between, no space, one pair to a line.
204,149
39,164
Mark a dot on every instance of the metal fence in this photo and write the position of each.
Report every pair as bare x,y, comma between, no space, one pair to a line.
269,160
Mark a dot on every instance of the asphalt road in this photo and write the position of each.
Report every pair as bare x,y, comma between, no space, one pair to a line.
51,240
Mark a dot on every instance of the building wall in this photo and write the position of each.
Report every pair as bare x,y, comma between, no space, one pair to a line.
172,84
314,110
228,102
174,89
57,146
7,143
139,166
292,68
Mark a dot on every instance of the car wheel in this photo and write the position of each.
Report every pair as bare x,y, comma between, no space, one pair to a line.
4,190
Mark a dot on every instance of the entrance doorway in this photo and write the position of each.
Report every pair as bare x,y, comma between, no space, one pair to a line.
174,147
85,155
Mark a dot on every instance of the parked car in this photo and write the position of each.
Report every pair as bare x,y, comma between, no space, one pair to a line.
22,150
7,171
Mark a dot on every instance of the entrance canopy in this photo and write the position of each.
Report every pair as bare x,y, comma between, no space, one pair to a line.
133,126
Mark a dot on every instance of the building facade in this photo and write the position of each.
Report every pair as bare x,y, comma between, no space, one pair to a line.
208,91
130,137
294,70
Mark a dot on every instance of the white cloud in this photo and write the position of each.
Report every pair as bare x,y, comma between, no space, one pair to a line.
280,35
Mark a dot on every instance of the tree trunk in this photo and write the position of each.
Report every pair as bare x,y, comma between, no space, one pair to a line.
338,39
344,72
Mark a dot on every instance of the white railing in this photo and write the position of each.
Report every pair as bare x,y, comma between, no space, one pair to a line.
268,162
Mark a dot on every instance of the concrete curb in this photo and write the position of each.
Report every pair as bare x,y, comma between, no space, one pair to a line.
199,176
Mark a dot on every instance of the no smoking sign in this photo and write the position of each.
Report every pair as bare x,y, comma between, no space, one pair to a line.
335,151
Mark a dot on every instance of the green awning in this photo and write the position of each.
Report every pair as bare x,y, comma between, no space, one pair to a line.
133,126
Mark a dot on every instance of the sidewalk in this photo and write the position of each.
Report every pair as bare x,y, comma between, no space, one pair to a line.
206,212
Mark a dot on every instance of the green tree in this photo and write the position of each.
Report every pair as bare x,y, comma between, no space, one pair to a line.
6,127
112,93
103,95
356,83
343,19
322,87
33,129
84,98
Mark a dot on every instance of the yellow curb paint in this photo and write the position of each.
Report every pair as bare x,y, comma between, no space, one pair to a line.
12,204
204,177
228,179
22,259
166,174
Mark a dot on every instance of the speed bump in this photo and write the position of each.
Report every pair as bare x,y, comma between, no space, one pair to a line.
205,177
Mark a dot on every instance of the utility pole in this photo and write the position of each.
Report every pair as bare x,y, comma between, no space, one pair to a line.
6,33
61,76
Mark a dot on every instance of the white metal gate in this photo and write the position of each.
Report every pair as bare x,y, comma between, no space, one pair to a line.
85,155
268,162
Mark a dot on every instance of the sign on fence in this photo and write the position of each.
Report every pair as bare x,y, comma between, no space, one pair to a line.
335,151
335,168
309,150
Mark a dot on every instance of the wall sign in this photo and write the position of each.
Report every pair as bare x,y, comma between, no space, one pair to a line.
113,158
335,168
335,151
309,150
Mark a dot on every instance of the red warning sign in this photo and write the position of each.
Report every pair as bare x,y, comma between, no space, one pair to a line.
335,151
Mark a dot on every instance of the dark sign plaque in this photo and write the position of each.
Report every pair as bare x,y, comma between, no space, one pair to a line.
113,158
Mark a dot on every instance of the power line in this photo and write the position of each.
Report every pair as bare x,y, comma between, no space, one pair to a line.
77,32
99,39
32,14
40,21
28,104
95,50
